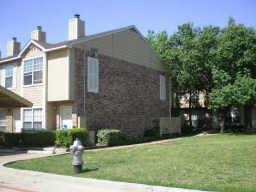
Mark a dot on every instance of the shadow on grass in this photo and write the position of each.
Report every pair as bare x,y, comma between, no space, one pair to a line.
86,170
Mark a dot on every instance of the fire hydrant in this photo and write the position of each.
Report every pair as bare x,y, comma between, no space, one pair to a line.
77,151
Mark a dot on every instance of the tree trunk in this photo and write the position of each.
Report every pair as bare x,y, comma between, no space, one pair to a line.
190,110
248,117
222,120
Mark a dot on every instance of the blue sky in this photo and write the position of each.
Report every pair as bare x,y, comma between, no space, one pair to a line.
19,17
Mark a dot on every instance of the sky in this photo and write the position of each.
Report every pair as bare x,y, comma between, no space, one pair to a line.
19,17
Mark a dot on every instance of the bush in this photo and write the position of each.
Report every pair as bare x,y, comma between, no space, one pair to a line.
39,139
1,138
13,139
29,139
152,132
66,137
113,137
110,137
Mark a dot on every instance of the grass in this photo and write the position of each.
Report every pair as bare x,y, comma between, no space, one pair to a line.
216,163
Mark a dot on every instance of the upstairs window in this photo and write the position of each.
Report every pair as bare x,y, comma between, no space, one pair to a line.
93,75
9,76
162,88
33,71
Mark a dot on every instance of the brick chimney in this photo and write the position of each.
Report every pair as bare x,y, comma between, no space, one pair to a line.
38,34
76,28
13,47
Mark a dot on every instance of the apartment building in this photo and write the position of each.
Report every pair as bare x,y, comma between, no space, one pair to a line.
112,79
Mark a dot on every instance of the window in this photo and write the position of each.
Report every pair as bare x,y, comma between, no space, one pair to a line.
93,75
2,121
9,76
162,87
27,118
32,119
38,73
37,115
33,73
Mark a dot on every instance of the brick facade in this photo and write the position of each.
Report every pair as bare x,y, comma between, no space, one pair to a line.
128,97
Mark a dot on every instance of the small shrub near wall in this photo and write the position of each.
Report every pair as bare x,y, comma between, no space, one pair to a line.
152,132
113,137
66,137
42,138
110,137
29,139
1,138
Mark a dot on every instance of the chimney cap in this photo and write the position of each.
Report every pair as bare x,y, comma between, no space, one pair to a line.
14,38
77,16
39,27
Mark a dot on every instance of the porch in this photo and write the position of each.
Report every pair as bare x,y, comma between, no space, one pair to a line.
10,103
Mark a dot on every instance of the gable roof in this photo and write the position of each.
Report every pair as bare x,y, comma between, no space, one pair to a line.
46,47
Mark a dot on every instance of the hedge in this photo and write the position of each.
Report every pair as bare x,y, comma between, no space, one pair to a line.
25,139
110,137
66,137
113,137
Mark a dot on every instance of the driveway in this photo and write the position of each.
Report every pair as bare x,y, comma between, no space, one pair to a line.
14,180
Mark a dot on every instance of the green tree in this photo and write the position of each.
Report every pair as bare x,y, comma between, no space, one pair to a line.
241,93
188,55
235,71
220,62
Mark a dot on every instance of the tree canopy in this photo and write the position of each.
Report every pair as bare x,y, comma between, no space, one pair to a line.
219,61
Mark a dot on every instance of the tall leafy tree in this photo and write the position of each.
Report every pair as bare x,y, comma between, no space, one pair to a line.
188,55
220,62
234,73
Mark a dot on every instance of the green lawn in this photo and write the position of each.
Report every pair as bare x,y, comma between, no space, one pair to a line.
219,163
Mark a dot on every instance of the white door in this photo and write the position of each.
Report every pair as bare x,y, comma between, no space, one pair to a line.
66,117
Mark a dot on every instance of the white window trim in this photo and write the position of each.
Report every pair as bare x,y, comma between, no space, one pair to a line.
33,108
96,76
14,76
22,75
162,87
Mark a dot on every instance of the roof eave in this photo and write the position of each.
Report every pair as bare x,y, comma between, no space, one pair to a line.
28,44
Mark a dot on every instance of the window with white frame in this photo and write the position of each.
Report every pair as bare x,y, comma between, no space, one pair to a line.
2,121
33,71
93,75
9,76
162,87
32,118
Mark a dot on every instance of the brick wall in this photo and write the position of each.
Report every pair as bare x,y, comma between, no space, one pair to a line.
128,97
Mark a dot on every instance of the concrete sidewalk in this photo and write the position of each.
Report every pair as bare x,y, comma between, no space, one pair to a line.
26,181
14,180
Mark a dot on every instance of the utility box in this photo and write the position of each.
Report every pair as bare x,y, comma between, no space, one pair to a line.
170,125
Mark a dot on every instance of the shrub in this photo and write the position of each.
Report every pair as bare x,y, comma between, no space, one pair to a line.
12,139
110,137
1,138
66,137
29,139
38,139
152,132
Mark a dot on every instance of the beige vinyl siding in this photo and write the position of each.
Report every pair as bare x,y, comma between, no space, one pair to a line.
33,93
127,45
51,116
104,45
58,75
33,51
